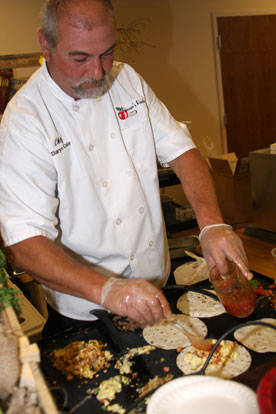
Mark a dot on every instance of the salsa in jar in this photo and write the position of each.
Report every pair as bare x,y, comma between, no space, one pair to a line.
234,291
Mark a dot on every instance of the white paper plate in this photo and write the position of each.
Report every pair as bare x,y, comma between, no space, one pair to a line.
199,394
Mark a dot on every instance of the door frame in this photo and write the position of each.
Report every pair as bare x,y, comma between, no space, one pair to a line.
218,74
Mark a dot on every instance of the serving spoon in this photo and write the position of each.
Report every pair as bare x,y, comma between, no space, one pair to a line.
198,342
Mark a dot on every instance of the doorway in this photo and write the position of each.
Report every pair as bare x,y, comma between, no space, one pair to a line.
246,47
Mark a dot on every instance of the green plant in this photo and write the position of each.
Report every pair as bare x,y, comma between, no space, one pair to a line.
8,296
3,260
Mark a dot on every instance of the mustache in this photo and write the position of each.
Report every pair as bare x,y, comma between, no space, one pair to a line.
95,82
90,87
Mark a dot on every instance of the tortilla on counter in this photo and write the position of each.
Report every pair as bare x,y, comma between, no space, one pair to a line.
199,305
166,336
258,338
229,360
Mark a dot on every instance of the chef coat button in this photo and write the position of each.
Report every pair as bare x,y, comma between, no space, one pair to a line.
105,184
132,257
113,135
118,221
128,173
76,107
91,147
151,243
141,210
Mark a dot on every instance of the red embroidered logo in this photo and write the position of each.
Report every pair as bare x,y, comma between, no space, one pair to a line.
125,113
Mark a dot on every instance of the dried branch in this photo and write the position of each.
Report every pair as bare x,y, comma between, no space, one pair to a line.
130,40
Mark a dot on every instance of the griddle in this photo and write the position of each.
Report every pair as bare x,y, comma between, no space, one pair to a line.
68,394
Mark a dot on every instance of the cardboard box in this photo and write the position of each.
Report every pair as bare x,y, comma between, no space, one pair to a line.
263,179
233,186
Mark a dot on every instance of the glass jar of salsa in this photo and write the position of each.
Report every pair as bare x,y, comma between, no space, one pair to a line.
234,291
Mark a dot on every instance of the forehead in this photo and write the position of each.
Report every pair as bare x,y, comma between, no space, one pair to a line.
90,25
85,14
93,42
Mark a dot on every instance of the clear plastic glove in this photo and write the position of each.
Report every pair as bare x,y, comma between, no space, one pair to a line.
218,243
137,299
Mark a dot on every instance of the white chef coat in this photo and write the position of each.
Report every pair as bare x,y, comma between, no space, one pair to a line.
84,174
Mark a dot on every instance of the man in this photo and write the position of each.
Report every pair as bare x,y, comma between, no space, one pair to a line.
80,207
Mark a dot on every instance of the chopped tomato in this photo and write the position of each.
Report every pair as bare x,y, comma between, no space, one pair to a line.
263,292
271,291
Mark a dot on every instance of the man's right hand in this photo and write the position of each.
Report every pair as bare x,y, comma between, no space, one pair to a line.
137,299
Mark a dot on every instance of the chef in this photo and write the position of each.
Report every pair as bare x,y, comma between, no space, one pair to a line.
79,196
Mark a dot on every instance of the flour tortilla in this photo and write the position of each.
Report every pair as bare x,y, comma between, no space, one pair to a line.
199,305
258,338
236,361
166,336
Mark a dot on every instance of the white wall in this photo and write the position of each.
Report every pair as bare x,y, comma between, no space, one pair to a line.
19,21
181,66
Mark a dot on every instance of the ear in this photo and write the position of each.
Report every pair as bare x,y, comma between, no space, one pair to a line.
44,45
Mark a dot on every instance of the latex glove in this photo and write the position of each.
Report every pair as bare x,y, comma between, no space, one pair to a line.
135,298
219,242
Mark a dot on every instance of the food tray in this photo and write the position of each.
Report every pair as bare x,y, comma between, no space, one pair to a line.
146,366
69,394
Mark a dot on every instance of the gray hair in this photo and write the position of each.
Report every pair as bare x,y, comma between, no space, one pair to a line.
50,13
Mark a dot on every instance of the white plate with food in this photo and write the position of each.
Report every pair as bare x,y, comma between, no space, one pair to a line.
202,394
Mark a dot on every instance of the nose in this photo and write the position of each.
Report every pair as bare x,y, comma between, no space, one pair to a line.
95,69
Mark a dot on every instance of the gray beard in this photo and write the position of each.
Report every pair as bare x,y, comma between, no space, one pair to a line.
90,93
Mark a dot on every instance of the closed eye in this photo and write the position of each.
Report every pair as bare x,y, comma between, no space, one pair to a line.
81,57
80,60
109,52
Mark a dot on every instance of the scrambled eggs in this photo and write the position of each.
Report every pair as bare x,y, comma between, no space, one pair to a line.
224,352
81,359
124,364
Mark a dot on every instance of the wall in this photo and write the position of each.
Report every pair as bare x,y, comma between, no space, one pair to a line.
19,21
181,68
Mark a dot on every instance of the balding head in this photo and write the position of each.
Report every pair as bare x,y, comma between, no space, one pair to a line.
83,14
